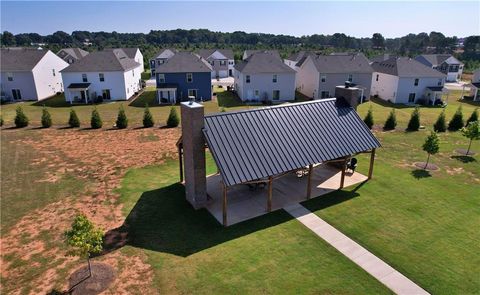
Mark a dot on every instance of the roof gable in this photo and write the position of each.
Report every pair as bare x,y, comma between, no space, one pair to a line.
110,60
20,59
184,62
351,63
263,62
405,67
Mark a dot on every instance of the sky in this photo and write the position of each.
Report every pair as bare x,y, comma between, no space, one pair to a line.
357,18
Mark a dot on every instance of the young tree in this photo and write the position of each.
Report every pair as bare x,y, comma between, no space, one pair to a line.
147,118
441,123
223,110
96,120
84,239
21,119
457,120
473,117
173,119
414,123
391,122
73,120
369,118
472,132
122,120
46,118
431,146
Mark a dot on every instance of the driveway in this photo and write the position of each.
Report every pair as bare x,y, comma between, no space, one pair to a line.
151,82
457,86
228,81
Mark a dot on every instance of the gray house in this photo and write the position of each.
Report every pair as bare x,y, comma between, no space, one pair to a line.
71,55
444,63
159,59
222,61
318,75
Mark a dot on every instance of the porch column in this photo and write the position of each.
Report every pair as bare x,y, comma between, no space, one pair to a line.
309,182
344,168
372,160
86,98
224,204
70,96
269,199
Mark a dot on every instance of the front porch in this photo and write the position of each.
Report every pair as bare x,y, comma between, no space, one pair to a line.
167,94
433,95
78,93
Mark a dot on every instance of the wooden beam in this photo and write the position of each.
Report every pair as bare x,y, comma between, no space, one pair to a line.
309,182
372,160
269,200
224,205
342,179
180,162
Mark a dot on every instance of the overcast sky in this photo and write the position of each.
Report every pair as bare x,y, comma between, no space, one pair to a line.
358,18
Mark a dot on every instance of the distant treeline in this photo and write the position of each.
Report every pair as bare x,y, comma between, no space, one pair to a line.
409,45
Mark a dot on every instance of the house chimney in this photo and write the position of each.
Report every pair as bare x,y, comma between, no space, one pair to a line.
194,153
347,96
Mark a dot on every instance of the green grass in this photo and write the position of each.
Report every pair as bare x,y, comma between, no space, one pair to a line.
191,252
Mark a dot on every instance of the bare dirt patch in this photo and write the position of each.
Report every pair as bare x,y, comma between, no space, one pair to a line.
102,158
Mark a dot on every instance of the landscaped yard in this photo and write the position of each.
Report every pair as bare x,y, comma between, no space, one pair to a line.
424,224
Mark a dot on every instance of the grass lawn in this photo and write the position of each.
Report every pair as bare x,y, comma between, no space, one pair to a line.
192,253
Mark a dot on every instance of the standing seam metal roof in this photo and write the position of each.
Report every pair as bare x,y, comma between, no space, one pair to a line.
254,144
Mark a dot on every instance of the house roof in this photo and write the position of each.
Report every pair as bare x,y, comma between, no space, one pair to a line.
254,144
263,62
110,60
296,56
352,63
248,53
184,62
381,57
436,59
436,88
405,67
129,51
162,53
79,86
76,53
206,53
20,59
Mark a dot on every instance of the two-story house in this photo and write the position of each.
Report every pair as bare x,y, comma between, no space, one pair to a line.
182,77
249,52
295,58
318,75
30,74
103,75
444,63
159,58
221,60
71,55
475,85
263,76
405,80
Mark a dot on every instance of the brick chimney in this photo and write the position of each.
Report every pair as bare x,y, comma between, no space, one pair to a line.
194,153
347,95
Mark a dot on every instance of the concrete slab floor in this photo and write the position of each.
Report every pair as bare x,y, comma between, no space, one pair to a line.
244,203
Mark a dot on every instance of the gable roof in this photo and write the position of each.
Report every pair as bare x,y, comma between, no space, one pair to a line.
248,53
164,53
75,53
110,60
405,67
206,53
436,59
296,56
184,62
254,144
381,57
129,51
20,59
352,63
263,62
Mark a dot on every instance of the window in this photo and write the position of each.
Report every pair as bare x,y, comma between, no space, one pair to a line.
223,62
411,97
161,78
212,62
133,73
350,78
230,62
439,83
101,77
84,78
70,61
323,78
247,79
160,61
324,94
192,92
106,94
10,76
416,82
53,72
257,94
274,79
376,79
276,95
189,77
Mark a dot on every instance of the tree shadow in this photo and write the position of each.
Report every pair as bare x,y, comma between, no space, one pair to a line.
331,199
421,173
464,159
228,99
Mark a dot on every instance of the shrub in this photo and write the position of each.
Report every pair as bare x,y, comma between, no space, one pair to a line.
21,119
173,119
457,120
96,121
147,118
391,122
473,117
46,118
73,121
122,120
369,118
223,110
441,123
414,123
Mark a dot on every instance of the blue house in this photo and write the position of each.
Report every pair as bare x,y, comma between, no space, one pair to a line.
182,76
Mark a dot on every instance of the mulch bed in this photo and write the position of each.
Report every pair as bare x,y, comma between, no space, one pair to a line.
463,152
430,167
103,276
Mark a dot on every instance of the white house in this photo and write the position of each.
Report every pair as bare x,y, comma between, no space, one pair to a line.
106,75
264,77
221,60
318,75
405,80
475,85
135,54
444,63
30,74
71,55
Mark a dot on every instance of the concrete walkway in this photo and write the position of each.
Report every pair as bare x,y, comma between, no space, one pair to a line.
383,272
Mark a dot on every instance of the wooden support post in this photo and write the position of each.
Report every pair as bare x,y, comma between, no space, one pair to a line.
269,198
372,160
224,205
342,179
309,182
180,162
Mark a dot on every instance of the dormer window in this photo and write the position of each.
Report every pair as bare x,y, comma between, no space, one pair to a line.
189,77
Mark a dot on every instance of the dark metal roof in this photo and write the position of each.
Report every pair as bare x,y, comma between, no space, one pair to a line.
78,86
254,144
476,84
